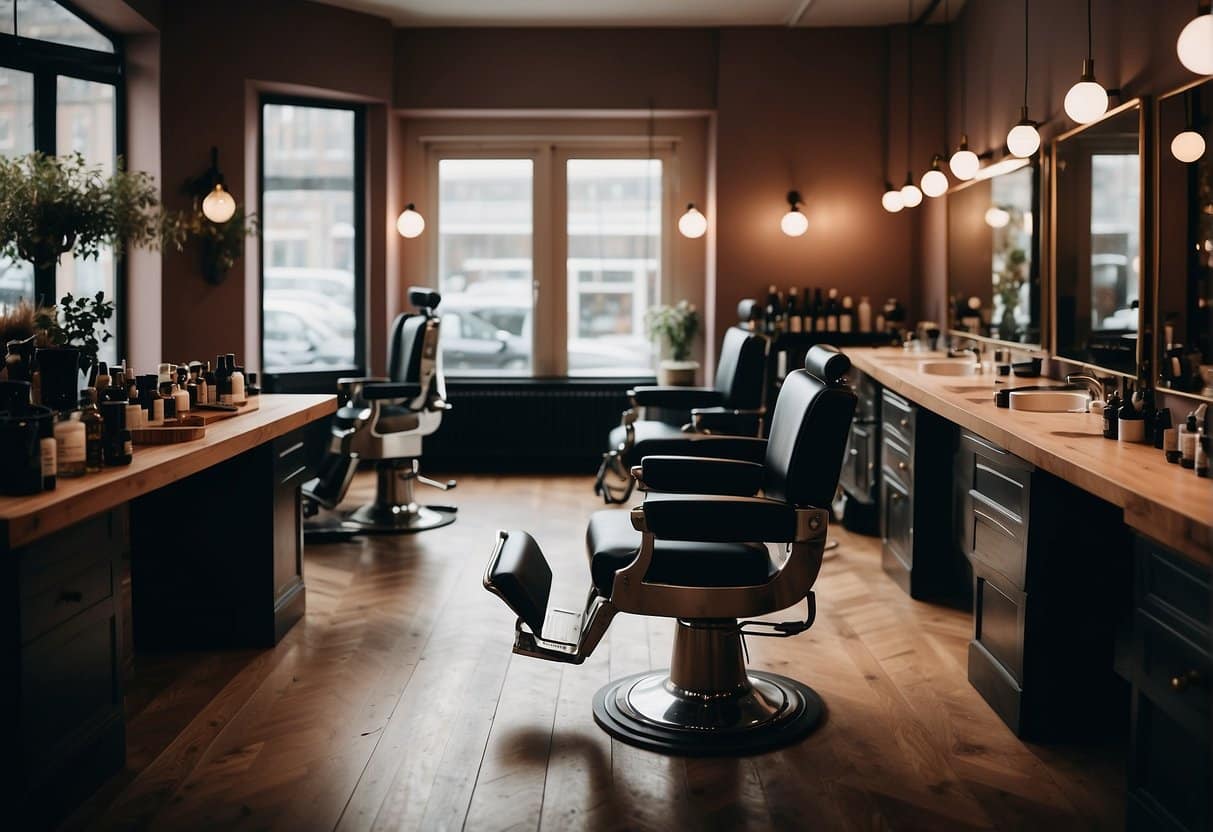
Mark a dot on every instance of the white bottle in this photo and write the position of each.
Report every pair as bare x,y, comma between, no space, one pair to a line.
865,315
70,445
238,395
181,398
846,320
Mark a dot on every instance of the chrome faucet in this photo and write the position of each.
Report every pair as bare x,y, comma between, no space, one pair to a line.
975,348
1094,386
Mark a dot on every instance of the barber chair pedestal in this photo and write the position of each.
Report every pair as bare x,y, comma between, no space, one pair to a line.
706,703
395,509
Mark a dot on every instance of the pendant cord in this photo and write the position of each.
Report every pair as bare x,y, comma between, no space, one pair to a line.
1090,48
1025,53
909,83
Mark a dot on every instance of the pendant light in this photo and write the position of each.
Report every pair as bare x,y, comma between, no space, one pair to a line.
1189,145
911,197
964,162
794,223
891,199
935,181
1195,44
218,207
410,223
1024,139
692,223
1087,100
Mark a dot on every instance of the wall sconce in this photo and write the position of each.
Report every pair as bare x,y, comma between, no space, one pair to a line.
1195,43
410,223
218,206
997,217
794,223
692,223
217,222
1189,145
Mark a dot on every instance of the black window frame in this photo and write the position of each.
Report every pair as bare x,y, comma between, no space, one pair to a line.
317,381
47,61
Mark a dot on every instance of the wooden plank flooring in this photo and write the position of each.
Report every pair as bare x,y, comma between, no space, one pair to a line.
396,704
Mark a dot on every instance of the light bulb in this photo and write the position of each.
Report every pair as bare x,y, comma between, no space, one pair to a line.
410,224
1188,146
964,163
693,223
892,201
911,197
1023,140
1086,101
1195,45
934,182
997,217
218,207
794,223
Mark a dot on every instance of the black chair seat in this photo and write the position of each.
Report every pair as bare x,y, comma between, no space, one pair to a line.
611,544
396,419
646,431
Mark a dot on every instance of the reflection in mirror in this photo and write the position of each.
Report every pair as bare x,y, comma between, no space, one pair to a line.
993,262
1185,240
1097,241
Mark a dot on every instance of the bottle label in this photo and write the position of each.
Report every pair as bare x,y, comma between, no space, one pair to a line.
794,324
227,398
50,457
71,447
844,323
832,324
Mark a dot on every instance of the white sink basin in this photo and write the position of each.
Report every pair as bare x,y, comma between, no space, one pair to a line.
948,368
1050,401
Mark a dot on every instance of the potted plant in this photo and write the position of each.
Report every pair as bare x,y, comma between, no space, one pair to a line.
77,325
677,326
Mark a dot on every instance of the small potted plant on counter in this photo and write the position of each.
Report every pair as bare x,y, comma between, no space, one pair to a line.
677,326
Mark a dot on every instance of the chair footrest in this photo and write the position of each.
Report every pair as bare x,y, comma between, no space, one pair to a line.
519,574
562,626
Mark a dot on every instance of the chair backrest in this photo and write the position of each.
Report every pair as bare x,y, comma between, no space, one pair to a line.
809,429
741,369
414,339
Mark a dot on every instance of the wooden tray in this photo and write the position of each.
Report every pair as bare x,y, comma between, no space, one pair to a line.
185,429
208,416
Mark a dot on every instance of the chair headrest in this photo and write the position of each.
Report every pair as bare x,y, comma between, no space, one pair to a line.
748,310
827,363
424,298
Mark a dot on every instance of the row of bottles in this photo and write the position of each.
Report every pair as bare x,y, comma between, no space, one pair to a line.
811,312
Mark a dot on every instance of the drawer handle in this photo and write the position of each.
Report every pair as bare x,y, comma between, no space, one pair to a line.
994,522
854,452
894,495
1183,681
901,466
70,597
905,423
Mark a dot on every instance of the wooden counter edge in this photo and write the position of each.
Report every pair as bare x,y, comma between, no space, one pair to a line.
59,513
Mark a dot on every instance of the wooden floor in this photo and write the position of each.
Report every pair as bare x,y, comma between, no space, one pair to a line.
396,704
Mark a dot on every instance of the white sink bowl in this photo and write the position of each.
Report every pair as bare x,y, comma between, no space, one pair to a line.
948,368
1050,401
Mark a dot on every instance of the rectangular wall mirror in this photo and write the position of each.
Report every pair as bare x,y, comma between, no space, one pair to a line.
994,254
1098,239
1183,177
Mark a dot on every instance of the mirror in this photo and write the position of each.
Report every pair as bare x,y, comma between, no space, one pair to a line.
994,254
1184,223
1098,217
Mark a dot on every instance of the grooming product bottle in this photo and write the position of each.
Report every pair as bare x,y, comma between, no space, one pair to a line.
865,314
1132,421
1202,454
103,376
1111,416
1187,442
94,429
118,447
1162,423
237,381
846,318
49,453
795,322
70,444
180,394
223,380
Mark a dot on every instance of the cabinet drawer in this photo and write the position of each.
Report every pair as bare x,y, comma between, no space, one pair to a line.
897,461
1169,773
1001,477
83,582
859,465
998,621
897,415
897,521
1173,672
1173,588
290,456
996,539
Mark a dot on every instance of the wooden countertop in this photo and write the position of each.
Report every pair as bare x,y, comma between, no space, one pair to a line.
25,519
1161,500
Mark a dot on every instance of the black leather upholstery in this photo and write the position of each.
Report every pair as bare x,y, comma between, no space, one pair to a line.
523,577
391,390
424,298
701,475
652,433
405,347
827,363
740,372
719,519
807,440
612,543
675,398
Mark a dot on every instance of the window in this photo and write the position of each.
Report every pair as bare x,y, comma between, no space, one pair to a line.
59,94
504,220
312,225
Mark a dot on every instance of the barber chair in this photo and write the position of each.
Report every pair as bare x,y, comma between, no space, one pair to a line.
732,406
709,553
383,420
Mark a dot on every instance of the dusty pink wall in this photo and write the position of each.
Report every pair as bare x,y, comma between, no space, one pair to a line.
212,55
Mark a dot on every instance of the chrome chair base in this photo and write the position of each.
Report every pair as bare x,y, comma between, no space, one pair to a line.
706,703
394,509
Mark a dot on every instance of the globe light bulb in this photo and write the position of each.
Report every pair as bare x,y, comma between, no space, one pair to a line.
934,182
1023,140
410,224
891,201
1086,101
1188,146
218,207
911,197
794,223
1195,45
693,223
997,217
964,163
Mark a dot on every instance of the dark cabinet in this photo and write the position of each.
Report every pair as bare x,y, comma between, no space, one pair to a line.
860,478
1050,581
918,548
1167,657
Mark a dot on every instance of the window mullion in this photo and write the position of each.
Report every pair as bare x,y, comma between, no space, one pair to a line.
555,236
46,99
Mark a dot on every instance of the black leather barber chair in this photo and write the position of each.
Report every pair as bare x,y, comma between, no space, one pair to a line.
709,553
384,420
732,406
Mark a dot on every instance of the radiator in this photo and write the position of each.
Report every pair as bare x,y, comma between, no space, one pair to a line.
526,426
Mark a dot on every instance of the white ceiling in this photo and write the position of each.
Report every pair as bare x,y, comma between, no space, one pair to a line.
645,12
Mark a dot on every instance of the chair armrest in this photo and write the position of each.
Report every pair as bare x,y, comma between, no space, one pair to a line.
726,420
391,390
699,475
718,519
675,398
746,448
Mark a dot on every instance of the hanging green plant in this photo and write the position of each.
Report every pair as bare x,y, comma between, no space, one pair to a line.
222,243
